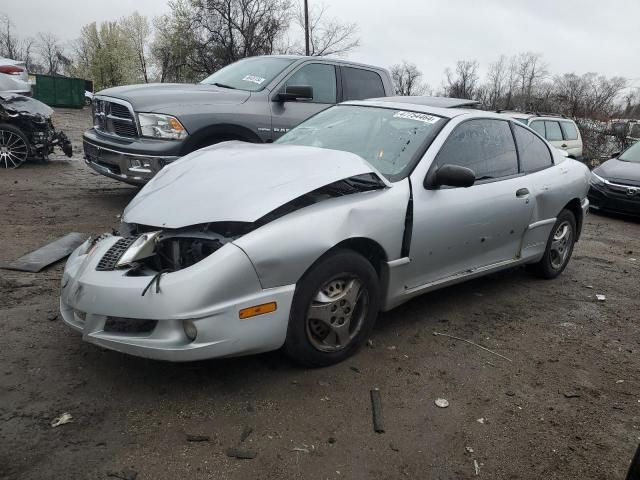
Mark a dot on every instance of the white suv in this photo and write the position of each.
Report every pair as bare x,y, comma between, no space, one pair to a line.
560,131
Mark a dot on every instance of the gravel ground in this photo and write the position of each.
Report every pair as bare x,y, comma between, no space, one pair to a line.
567,405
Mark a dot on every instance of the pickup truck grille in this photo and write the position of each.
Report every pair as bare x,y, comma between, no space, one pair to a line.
114,118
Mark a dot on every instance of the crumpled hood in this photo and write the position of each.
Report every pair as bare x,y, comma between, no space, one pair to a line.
619,171
15,103
238,182
160,97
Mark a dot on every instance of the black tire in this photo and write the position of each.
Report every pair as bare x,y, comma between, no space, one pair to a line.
14,146
345,267
549,266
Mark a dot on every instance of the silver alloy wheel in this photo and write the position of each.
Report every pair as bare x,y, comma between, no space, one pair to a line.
13,149
561,245
336,314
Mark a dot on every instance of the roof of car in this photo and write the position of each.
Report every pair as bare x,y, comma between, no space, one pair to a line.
405,104
529,115
332,59
443,102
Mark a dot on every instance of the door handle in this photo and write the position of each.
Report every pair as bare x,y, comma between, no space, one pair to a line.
564,145
522,192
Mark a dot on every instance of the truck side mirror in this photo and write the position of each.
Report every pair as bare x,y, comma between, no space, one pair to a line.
293,93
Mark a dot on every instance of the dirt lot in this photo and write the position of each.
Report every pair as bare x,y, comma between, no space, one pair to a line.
566,407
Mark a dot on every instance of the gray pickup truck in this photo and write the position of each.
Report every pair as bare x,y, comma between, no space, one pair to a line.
138,129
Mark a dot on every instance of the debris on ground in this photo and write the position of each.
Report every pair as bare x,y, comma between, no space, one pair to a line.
471,343
571,395
62,420
57,250
300,449
441,402
197,438
600,298
323,384
354,369
619,381
477,467
123,475
332,440
246,431
393,447
51,316
241,454
481,420
376,410
468,449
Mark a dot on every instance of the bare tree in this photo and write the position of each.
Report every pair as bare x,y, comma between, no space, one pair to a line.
136,27
496,80
51,52
14,47
464,82
228,30
406,79
327,36
531,71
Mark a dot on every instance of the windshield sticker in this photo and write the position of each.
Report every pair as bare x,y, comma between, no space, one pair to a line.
254,79
420,117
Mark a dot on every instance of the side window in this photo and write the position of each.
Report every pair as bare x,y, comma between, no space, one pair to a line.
554,134
534,154
538,127
358,84
484,146
570,130
321,77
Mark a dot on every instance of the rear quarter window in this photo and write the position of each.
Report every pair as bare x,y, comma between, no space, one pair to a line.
358,84
570,130
533,152
554,134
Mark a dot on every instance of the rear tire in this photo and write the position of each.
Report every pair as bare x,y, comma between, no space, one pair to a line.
334,309
559,247
14,146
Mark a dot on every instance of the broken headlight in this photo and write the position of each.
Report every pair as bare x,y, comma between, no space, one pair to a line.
156,125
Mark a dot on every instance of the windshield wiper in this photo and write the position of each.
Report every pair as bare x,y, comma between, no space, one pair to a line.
217,84
486,177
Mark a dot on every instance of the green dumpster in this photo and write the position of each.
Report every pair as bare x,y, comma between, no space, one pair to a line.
63,92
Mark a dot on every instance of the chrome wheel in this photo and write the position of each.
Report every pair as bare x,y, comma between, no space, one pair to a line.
13,149
336,314
561,245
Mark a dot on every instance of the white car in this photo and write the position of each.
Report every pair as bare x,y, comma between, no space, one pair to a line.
558,130
14,77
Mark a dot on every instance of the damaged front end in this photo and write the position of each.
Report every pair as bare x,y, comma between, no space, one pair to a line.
27,131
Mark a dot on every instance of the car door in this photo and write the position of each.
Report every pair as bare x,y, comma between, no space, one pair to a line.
286,115
572,141
458,230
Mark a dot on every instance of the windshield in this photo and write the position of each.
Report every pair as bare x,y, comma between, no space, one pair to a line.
250,74
631,154
386,138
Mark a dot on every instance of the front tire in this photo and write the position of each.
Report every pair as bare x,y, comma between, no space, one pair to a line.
559,247
334,309
14,146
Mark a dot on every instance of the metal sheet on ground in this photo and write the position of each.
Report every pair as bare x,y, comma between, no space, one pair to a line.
50,253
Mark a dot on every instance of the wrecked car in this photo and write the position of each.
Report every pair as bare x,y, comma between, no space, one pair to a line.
242,248
27,131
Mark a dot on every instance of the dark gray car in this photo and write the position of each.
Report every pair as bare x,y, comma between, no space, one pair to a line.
138,129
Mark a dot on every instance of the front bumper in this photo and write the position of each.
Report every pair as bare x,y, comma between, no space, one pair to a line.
210,294
614,198
135,162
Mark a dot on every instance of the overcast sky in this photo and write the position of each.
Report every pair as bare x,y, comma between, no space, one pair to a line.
573,35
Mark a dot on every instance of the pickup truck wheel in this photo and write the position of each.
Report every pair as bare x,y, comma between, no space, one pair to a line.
14,146
559,247
334,310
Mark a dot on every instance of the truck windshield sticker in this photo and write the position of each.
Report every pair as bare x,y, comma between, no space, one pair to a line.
254,79
420,117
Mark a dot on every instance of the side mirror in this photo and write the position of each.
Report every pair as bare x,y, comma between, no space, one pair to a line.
293,93
450,176
615,154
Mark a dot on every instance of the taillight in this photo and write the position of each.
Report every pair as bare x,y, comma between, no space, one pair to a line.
11,69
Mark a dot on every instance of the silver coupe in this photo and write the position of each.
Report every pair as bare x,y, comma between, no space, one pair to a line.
240,248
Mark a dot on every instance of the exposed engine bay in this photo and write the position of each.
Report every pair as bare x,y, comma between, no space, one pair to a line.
27,131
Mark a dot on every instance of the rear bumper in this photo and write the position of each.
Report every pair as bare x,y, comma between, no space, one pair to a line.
135,162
